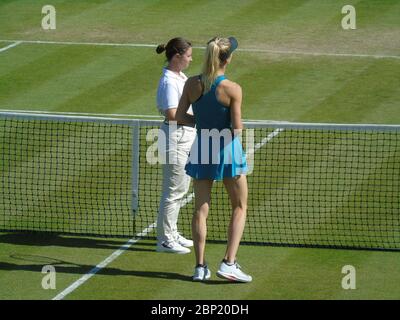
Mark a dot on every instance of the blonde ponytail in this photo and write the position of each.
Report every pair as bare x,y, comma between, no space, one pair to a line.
216,48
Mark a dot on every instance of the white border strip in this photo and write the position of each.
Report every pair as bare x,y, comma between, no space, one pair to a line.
103,264
321,126
144,45
10,46
66,118
248,124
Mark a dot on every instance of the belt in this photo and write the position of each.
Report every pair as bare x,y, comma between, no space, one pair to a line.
180,124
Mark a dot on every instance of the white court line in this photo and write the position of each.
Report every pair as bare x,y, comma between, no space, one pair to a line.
143,45
103,264
10,46
308,53
140,45
189,198
266,140
81,113
113,256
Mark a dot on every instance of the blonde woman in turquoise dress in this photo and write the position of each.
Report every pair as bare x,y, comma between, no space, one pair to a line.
216,103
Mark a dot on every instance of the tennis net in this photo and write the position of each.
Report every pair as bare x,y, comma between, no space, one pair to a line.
322,185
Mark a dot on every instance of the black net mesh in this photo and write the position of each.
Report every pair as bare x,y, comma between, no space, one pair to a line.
329,186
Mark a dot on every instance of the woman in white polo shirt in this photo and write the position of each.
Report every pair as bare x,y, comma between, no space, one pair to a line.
175,141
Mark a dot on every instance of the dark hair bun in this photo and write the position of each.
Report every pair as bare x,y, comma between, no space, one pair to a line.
160,48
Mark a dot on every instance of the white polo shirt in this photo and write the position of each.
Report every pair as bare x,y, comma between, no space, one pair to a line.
169,92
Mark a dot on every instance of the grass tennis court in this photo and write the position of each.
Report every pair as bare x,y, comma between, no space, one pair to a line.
291,67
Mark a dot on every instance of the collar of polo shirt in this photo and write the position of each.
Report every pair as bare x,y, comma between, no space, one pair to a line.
172,74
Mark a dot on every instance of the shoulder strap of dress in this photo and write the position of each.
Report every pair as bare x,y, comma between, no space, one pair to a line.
218,80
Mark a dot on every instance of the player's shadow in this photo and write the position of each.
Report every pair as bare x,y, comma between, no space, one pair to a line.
54,239
35,263
81,269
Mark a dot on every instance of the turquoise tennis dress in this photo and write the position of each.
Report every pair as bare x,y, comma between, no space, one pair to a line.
216,153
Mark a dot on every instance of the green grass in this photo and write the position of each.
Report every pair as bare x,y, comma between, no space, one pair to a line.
276,86
279,273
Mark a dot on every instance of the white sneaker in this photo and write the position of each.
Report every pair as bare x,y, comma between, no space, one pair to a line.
171,247
183,241
201,273
233,273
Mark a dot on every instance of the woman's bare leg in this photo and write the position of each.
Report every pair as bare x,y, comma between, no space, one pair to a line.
237,190
202,191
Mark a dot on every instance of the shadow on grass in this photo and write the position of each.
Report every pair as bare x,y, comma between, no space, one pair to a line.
81,269
42,239
61,267
35,263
